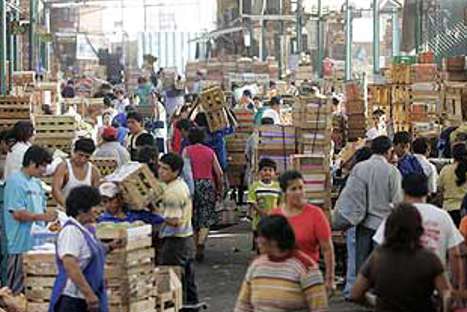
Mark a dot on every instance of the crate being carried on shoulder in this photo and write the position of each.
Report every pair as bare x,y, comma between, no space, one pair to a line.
212,102
129,270
105,165
317,178
40,271
138,184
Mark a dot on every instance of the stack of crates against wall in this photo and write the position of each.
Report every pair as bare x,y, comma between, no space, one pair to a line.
236,145
424,95
317,177
168,289
379,98
356,111
24,81
213,103
55,132
455,69
400,104
47,93
312,117
139,186
277,143
454,104
40,271
129,270
14,109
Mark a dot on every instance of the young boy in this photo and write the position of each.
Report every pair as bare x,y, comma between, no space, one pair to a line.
263,195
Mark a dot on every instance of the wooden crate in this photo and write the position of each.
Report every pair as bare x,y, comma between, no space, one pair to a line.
146,305
7,124
217,120
168,290
138,184
135,237
15,111
379,95
105,165
23,78
212,99
63,144
310,163
55,127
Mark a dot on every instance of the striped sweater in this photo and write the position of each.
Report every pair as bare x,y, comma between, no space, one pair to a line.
291,284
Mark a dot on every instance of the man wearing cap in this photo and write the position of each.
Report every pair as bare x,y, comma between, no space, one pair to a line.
111,148
116,210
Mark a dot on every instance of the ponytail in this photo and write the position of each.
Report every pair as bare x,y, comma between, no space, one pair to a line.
459,153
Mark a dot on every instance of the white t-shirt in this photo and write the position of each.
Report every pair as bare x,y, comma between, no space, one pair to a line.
274,115
71,242
440,232
14,159
161,132
430,171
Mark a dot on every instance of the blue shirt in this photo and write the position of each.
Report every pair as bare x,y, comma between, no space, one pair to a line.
21,193
133,216
216,141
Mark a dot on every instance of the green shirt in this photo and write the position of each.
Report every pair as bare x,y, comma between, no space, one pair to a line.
265,196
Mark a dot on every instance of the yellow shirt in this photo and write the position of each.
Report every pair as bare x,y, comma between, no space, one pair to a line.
452,194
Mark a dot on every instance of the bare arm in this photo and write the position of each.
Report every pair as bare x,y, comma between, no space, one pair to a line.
219,174
74,273
361,286
96,177
26,216
57,184
328,253
457,265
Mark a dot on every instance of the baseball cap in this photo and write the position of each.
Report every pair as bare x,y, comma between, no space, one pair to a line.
109,189
110,133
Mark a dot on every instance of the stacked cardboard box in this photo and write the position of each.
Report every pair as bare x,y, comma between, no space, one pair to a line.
14,109
129,270
312,119
277,143
317,177
355,109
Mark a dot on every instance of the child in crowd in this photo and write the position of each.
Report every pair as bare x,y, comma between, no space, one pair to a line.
263,195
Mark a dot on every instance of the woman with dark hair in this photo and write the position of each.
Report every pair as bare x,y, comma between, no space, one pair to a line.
310,225
22,131
452,182
80,284
401,272
208,176
282,278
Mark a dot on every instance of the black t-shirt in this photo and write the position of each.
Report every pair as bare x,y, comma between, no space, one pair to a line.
403,281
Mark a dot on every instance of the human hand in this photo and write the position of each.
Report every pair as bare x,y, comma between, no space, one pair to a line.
330,287
49,216
92,302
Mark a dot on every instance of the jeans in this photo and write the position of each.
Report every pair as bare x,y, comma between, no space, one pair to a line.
363,245
179,251
69,304
351,274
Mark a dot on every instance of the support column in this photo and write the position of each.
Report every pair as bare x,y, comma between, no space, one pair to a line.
395,32
32,33
299,26
10,44
3,71
376,51
320,41
348,41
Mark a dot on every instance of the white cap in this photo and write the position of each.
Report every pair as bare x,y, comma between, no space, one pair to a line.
109,189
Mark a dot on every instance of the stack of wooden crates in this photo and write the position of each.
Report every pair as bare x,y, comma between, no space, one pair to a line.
356,111
277,143
317,177
129,270
312,120
14,109
236,144
55,132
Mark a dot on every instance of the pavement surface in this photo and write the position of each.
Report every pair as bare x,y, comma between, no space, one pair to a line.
228,253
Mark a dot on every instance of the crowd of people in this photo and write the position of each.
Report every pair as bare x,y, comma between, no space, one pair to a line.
404,221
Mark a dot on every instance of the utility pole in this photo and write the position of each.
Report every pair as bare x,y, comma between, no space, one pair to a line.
3,86
376,52
320,41
395,32
348,41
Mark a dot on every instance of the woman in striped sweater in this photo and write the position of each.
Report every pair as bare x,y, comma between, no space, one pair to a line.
282,278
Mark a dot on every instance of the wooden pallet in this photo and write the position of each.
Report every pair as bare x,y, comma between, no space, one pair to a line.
138,184
105,165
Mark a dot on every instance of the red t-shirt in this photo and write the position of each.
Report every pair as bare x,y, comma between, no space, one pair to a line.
176,140
202,161
309,227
